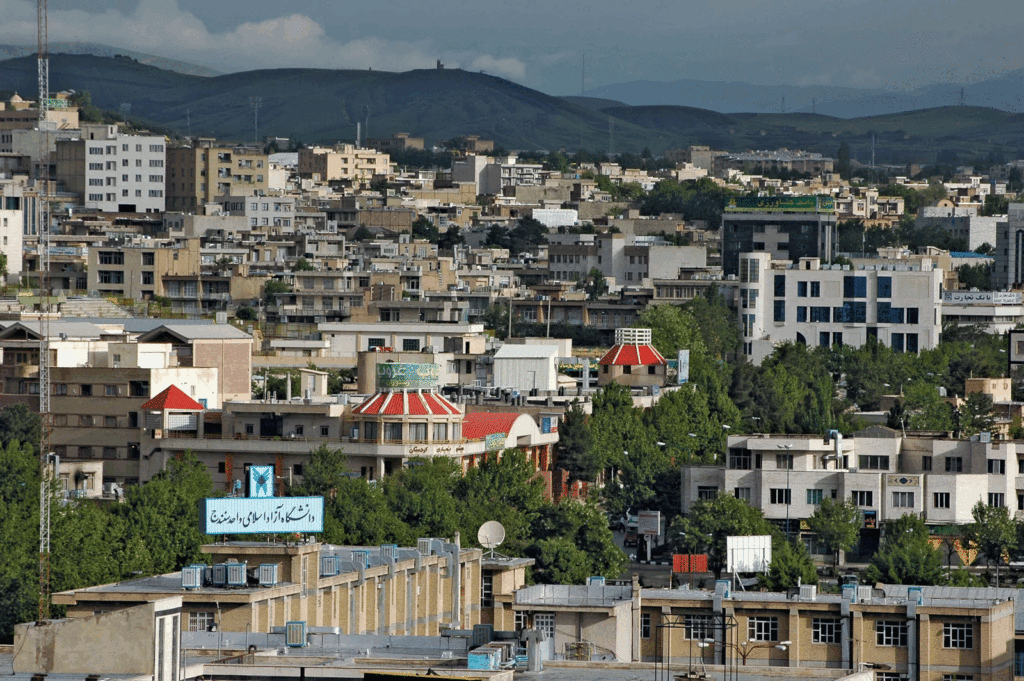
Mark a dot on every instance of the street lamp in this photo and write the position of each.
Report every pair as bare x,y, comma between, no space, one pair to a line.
789,491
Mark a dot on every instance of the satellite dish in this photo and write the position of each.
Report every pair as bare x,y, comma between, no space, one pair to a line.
491,534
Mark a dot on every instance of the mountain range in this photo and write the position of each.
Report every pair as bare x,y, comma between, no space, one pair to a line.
320,105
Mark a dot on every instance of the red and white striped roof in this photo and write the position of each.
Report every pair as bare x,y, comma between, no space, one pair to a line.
632,355
406,403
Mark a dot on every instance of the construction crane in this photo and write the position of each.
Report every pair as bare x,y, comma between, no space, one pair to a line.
43,265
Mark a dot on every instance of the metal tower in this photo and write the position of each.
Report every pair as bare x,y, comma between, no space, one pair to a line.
43,241
256,103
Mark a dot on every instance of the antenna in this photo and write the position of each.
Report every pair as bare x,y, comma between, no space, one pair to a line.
256,103
583,73
783,103
490,535
358,133
43,250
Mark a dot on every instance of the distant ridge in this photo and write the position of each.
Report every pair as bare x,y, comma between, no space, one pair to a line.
97,50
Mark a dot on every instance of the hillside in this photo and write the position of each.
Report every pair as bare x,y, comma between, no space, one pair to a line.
11,51
324,105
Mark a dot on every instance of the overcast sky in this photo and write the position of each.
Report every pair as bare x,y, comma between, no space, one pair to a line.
860,43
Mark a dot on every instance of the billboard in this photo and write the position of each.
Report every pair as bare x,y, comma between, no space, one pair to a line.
401,375
748,554
683,367
494,442
782,204
649,522
266,515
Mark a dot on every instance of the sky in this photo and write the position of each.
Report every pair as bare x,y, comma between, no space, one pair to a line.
898,44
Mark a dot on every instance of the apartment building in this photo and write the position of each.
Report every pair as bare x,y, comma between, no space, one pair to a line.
136,268
342,162
114,172
787,227
624,259
821,305
262,211
1008,271
200,174
399,141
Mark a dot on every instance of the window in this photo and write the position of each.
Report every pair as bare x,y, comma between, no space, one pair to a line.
250,429
815,289
85,452
111,258
487,590
370,431
440,432
780,285
997,466
780,495
996,499
375,343
903,500
110,422
784,462
392,432
891,633
896,341
645,625
958,635
699,627
862,498
954,464
874,463
325,431
418,432
940,499
742,493
801,314
154,163
706,493
110,390
296,469
85,421
410,344
148,259
200,621
855,287
825,630
763,629
926,463
86,390
958,677
739,459
814,496
801,289
885,287
780,311
821,314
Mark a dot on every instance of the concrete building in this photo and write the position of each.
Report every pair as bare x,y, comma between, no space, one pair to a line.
963,223
632,361
399,141
342,162
347,339
114,172
780,159
624,259
789,228
994,311
527,368
818,305
199,174
1008,272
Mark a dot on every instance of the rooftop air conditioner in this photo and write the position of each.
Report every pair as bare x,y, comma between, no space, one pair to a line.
328,566
220,574
237,574
268,574
191,577
295,634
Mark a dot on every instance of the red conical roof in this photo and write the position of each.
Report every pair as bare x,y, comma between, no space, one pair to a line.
172,398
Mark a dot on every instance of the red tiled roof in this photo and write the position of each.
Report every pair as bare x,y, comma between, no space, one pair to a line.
481,424
632,355
172,398
410,403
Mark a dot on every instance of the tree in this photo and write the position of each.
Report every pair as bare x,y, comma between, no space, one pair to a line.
993,533
709,522
905,555
595,284
573,542
18,423
925,408
19,535
576,446
324,469
450,239
273,288
791,565
423,228
975,276
362,234
505,488
246,313
976,415
842,165
836,523
303,265
422,496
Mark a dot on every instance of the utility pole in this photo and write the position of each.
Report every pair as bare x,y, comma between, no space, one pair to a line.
583,73
256,103
43,241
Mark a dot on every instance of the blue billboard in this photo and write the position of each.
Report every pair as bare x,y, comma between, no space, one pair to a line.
267,515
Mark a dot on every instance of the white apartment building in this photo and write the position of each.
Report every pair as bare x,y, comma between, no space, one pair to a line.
805,302
262,211
886,476
114,172
492,175
625,259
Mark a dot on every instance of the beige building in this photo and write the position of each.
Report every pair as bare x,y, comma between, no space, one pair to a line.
197,175
342,162
136,269
399,141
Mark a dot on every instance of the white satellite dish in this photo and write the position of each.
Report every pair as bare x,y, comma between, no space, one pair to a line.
491,534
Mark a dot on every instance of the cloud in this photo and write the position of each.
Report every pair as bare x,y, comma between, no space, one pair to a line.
161,27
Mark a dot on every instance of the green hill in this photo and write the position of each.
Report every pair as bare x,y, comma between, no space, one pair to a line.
314,105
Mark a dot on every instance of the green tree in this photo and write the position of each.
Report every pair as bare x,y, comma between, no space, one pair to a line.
19,536
842,165
975,276
422,496
18,423
573,542
925,408
505,488
246,313
836,523
362,234
423,228
273,288
450,239
976,415
303,265
710,522
993,533
576,446
325,468
595,284
791,565
905,555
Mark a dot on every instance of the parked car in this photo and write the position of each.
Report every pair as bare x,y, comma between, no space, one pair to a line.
632,537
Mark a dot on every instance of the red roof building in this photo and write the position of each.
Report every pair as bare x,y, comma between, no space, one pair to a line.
633,361
174,399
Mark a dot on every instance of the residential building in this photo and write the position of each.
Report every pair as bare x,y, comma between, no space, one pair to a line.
781,159
399,141
112,172
199,174
963,223
1008,271
624,259
347,339
787,227
819,305
342,162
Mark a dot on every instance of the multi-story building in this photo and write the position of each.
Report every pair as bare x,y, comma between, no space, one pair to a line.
1008,271
114,172
342,162
136,269
399,141
199,174
815,304
626,260
787,227
262,211
493,175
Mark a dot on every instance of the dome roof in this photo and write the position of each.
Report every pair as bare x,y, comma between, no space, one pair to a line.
405,403
632,355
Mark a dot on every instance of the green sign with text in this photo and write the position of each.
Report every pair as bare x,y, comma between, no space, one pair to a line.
782,204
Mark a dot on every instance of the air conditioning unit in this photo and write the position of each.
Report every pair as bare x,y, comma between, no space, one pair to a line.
268,574
220,575
389,551
236,574
295,634
191,577
328,566
850,592
863,594
808,592
429,546
595,581
361,558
